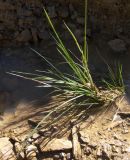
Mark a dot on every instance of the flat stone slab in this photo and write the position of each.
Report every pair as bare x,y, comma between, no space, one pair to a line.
56,145
6,149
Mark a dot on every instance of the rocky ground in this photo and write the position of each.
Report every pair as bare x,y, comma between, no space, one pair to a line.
91,135
104,135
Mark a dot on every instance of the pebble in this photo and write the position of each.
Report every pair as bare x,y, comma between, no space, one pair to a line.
30,140
115,149
35,136
68,156
31,148
62,155
99,151
31,155
56,157
87,150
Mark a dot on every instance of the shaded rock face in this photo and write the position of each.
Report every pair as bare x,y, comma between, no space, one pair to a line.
19,19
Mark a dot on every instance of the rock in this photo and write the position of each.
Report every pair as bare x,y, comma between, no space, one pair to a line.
43,35
114,124
31,152
56,157
33,123
31,155
52,11
38,141
125,131
126,157
68,156
93,144
118,143
6,149
87,150
54,129
62,155
84,137
13,139
63,12
31,148
35,136
99,151
80,20
116,136
117,46
56,145
30,140
128,149
19,151
107,150
76,145
24,36
45,133
115,149
73,122
117,118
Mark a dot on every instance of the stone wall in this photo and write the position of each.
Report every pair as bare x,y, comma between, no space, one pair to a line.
22,21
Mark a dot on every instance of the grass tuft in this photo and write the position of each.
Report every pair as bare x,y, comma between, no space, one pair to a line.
78,88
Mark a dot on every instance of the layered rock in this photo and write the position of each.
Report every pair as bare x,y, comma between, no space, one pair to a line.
22,22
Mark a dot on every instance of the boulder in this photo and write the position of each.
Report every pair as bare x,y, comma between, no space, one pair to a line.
6,149
56,145
117,46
